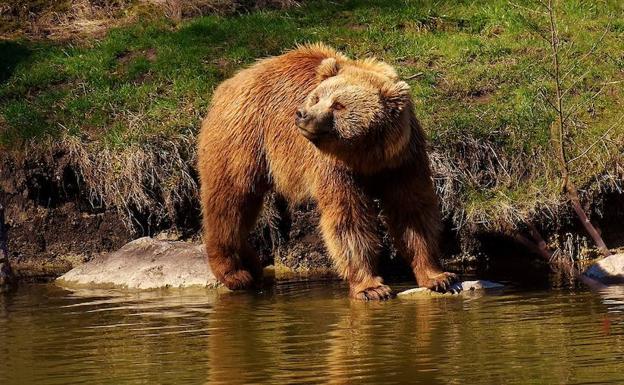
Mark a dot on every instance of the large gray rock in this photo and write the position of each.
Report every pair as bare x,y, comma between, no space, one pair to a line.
145,263
609,270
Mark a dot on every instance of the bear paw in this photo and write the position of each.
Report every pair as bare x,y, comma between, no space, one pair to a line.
378,293
238,280
440,282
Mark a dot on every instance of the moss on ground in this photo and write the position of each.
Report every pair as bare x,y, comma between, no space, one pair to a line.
477,70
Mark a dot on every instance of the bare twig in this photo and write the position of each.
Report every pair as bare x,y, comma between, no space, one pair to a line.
604,135
547,100
414,76
573,109
556,129
588,53
575,82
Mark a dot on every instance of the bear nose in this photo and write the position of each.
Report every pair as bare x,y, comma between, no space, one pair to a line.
301,114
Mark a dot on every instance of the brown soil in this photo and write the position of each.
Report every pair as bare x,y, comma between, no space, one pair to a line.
304,251
127,57
50,226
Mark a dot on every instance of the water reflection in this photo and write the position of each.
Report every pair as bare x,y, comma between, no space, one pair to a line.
308,334
613,298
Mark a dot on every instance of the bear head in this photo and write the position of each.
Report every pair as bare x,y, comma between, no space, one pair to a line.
359,109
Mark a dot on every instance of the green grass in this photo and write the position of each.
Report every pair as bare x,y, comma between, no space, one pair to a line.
480,74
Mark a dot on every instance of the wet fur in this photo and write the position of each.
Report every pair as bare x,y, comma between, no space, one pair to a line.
249,144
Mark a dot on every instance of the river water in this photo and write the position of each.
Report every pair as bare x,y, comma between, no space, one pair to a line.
309,333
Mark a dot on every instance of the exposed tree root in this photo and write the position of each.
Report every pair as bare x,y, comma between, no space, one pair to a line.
540,243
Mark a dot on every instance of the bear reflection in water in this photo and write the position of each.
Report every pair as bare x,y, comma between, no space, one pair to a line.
474,338
300,342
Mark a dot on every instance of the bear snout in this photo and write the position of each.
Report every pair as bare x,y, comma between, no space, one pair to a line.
311,127
302,118
301,114
312,120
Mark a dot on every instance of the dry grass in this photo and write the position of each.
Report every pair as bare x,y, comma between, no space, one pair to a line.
79,19
60,19
152,178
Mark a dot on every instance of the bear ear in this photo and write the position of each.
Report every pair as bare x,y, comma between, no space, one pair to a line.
395,95
381,67
329,67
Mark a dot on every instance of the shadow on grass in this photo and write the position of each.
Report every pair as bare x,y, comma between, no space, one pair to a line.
11,55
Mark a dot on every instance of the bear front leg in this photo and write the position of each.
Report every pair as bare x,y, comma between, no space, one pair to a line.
228,216
411,210
348,225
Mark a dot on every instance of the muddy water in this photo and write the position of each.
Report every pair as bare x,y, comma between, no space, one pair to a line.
309,334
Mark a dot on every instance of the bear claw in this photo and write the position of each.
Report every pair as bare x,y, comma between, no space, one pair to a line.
441,282
379,293
238,280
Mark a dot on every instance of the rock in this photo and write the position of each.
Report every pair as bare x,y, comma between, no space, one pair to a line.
456,288
414,291
609,270
145,263
480,285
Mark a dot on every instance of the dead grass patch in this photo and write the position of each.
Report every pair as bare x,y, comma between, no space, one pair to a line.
79,19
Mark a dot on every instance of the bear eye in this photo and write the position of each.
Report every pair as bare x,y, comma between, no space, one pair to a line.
337,106
315,99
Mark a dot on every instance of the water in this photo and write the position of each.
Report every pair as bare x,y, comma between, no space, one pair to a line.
309,333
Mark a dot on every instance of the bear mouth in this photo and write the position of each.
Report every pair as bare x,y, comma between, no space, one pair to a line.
313,136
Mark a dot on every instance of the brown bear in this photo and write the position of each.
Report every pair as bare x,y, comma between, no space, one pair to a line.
313,124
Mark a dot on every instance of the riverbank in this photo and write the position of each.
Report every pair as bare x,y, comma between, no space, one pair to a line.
97,131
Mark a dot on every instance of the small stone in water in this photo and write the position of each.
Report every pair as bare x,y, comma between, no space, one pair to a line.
456,288
480,285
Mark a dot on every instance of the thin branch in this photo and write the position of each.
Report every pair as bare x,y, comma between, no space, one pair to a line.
414,76
604,135
573,109
575,82
530,10
588,53
547,100
557,128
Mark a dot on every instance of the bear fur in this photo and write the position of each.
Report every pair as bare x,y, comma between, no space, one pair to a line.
313,124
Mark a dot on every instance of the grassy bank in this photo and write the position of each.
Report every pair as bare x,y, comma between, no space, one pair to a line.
123,109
